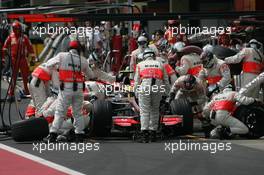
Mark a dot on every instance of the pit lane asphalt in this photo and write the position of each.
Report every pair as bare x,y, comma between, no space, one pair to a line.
123,156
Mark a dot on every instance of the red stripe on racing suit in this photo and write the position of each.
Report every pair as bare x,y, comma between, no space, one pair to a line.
252,67
71,76
151,73
213,80
41,74
169,69
195,70
224,105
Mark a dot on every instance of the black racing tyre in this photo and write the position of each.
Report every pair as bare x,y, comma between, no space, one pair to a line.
101,119
223,52
192,49
183,107
30,130
253,117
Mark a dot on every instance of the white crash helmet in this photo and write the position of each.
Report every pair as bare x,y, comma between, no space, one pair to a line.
142,41
94,60
149,53
207,56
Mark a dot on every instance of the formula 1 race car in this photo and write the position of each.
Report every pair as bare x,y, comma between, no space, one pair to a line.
120,112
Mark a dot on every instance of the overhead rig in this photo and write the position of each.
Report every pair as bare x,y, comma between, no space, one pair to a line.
86,11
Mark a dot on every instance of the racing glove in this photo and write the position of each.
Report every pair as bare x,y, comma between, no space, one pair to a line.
119,77
172,96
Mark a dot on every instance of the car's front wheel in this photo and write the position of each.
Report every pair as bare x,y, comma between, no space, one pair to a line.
101,119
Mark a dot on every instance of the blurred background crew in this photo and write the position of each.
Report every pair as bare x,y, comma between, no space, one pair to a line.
20,48
173,34
163,48
142,42
132,42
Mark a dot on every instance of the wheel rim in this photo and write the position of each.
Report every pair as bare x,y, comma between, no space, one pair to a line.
251,120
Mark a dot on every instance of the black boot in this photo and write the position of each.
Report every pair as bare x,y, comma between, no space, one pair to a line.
62,138
207,130
143,137
153,136
52,137
11,99
79,138
224,133
67,137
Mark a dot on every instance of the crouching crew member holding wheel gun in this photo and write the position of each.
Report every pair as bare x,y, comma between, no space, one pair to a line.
221,108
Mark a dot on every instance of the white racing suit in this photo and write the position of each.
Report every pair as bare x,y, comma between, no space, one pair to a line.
221,108
218,75
151,81
254,84
72,69
190,64
196,96
39,86
252,65
136,58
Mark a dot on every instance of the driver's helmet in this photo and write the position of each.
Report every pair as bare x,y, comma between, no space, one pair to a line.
177,47
163,45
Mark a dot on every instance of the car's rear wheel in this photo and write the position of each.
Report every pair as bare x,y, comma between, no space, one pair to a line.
252,117
183,107
101,119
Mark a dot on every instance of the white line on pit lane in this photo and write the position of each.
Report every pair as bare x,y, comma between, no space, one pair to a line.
40,160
